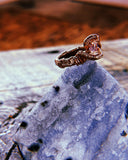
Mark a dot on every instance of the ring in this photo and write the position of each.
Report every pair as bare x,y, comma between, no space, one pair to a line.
91,49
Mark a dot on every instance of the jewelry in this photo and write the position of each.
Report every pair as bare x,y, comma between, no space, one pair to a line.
91,50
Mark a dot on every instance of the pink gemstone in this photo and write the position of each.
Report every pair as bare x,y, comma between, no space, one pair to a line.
94,47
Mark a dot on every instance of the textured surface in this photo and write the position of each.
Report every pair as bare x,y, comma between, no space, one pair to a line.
27,74
59,23
80,117
117,3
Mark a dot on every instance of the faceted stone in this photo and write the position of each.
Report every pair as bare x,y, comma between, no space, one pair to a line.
94,48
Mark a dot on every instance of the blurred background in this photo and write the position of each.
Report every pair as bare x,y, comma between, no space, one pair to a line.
43,23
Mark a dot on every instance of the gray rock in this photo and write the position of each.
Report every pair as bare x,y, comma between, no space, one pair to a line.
82,117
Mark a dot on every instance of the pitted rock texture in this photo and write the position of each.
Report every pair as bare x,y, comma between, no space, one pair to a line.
82,117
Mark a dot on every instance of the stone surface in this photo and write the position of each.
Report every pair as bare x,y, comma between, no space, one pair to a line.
83,116
27,74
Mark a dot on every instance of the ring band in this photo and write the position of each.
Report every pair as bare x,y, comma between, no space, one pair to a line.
91,50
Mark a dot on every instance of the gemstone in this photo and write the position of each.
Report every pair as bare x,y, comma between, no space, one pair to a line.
94,47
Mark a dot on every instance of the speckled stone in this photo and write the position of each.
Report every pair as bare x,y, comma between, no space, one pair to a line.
83,116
